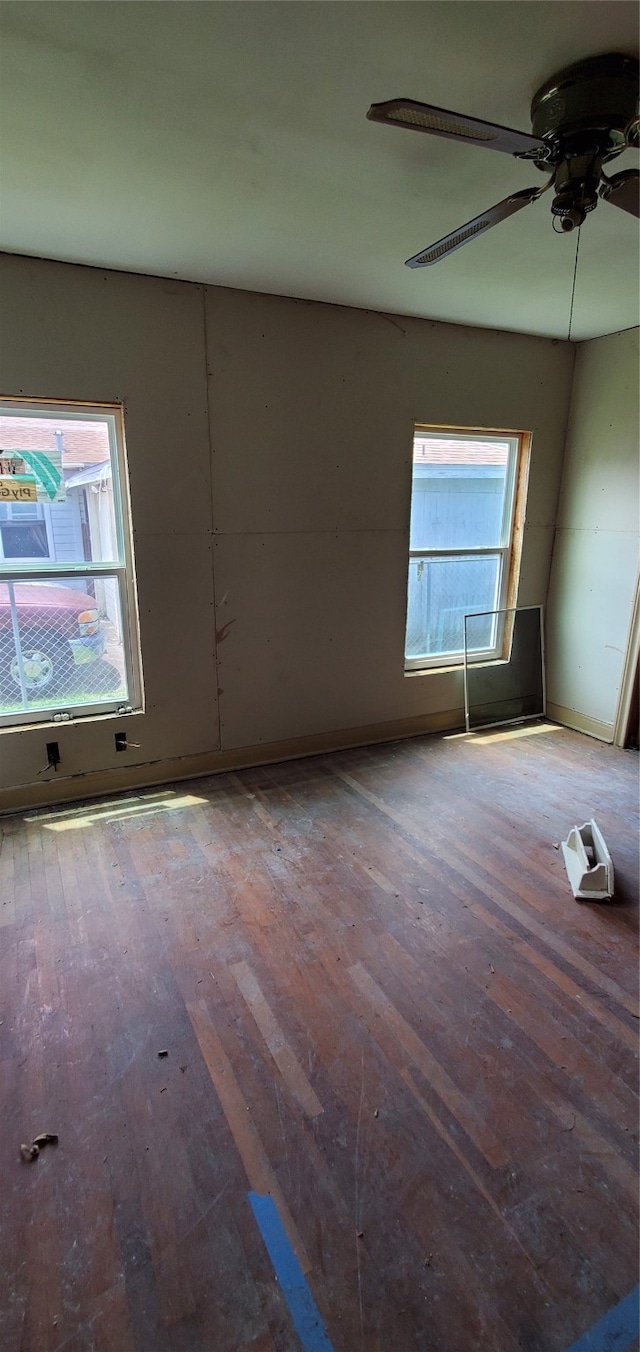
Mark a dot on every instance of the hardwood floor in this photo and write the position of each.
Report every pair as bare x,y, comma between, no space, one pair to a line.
381,1006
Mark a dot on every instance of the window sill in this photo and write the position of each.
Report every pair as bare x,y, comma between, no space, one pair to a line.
48,722
454,667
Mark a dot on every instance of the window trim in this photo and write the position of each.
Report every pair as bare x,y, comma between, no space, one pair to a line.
510,549
121,567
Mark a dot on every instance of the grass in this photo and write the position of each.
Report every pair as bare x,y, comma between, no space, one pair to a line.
64,700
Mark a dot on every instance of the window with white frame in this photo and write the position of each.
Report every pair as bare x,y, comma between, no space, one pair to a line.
24,531
68,630
467,495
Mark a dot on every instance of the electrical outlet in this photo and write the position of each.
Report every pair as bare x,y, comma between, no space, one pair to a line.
53,754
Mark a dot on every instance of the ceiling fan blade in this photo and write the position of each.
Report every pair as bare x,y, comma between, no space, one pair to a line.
439,122
457,238
623,190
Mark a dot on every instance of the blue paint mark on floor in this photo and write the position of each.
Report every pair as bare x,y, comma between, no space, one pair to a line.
616,1330
302,1307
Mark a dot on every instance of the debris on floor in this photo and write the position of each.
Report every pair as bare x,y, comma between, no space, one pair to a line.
31,1152
163,1053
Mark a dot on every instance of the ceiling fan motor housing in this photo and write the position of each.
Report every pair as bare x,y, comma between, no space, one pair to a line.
584,115
595,99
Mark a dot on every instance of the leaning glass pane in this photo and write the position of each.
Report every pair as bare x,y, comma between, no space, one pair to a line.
512,690
61,644
57,475
441,592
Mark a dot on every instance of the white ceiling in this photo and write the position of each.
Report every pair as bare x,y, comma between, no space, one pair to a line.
227,143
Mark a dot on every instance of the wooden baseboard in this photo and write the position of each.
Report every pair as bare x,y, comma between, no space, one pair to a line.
571,718
120,779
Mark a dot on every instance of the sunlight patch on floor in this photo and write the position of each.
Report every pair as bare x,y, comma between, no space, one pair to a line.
503,734
75,819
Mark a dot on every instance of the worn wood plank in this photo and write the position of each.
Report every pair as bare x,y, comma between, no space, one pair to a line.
290,1069
259,1172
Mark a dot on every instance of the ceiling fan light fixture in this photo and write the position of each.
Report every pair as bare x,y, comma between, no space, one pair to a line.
572,219
576,189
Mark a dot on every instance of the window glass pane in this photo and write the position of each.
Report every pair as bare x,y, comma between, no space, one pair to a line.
459,492
69,648
23,539
22,511
441,592
63,467
513,689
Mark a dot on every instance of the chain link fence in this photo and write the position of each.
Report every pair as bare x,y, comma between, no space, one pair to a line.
441,592
60,644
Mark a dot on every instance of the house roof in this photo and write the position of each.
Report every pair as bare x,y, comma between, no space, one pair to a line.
83,443
93,474
441,451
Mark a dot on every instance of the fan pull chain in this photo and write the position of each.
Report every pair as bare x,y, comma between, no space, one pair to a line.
573,288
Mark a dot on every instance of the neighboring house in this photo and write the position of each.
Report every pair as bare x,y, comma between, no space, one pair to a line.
81,526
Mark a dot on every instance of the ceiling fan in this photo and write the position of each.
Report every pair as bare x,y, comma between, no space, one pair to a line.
581,118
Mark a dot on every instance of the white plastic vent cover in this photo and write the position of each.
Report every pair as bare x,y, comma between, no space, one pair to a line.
590,874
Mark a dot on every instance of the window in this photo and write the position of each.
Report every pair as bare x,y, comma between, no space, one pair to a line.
467,506
68,633
23,531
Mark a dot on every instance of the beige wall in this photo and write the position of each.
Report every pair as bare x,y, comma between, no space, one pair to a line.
290,533
595,560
